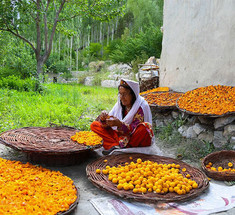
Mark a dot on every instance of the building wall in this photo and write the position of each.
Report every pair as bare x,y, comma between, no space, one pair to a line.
198,44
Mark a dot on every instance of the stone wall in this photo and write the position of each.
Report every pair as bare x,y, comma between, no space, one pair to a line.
217,130
198,44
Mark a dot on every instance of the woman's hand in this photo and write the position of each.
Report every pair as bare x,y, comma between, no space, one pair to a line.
113,121
104,115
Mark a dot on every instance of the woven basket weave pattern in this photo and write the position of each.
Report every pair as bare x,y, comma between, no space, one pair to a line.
221,158
44,140
101,180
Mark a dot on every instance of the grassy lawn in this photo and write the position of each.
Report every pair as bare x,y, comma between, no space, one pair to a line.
61,104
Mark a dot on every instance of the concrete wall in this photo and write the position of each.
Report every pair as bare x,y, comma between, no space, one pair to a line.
198,44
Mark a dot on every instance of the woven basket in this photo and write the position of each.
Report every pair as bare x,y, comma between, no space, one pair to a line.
101,181
220,158
72,206
160,107
51,145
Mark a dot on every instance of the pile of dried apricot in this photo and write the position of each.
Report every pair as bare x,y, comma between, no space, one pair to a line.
215,100
88,138
162,99
148,176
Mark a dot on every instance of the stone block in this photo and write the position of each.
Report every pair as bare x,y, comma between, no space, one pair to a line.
219,140
206,136
182,130
175,114
198,128
190,133
229,130
220,122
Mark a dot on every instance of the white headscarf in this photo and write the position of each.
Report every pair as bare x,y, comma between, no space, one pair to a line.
139,102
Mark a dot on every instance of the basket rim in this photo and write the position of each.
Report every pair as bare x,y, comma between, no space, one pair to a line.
82,148
149,197
221,176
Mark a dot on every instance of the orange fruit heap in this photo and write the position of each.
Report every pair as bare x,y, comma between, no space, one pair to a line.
29,189
88,138
216,100
221,169
162,99
148,176
158,89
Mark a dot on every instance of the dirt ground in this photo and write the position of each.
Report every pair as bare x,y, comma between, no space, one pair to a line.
77,173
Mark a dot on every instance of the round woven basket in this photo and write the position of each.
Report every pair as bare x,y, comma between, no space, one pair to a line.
50,145
163,107
72,206
220,158
101,181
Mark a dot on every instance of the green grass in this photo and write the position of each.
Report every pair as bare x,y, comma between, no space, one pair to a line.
69,105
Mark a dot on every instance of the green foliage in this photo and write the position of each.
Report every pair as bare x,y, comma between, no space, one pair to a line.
149,43
69,105
14,83
55,65
95,50
16,58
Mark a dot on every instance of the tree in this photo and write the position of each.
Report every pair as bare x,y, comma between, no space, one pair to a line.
35,21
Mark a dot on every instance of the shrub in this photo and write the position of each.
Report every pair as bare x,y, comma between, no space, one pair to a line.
15,83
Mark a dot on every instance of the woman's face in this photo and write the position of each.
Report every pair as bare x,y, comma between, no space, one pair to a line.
125,96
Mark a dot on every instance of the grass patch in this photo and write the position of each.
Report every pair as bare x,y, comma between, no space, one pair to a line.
62,104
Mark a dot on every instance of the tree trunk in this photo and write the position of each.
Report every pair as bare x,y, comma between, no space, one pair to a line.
40,64
108,35
71,48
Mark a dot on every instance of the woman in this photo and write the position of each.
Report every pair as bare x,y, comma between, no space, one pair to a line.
128,124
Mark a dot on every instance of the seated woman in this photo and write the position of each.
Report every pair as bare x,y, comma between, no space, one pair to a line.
128,124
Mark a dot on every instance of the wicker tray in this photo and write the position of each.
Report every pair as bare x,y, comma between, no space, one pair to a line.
160,107
220,158
72,206
51,145
101,180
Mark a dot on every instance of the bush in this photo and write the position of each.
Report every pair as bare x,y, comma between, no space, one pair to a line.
15,83
147,43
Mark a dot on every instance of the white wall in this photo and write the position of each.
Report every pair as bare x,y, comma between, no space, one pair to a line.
198,44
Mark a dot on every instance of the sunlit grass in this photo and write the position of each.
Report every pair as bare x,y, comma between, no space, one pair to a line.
69,105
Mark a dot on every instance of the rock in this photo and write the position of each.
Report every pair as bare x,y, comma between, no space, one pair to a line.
159,116
151,60
232,141
220,122
96,66
229,130
175,114
192,119
88,80
168,119
198,128
206,136
110,83
219,140
206,120
120,68
159,123
182,130
190,133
